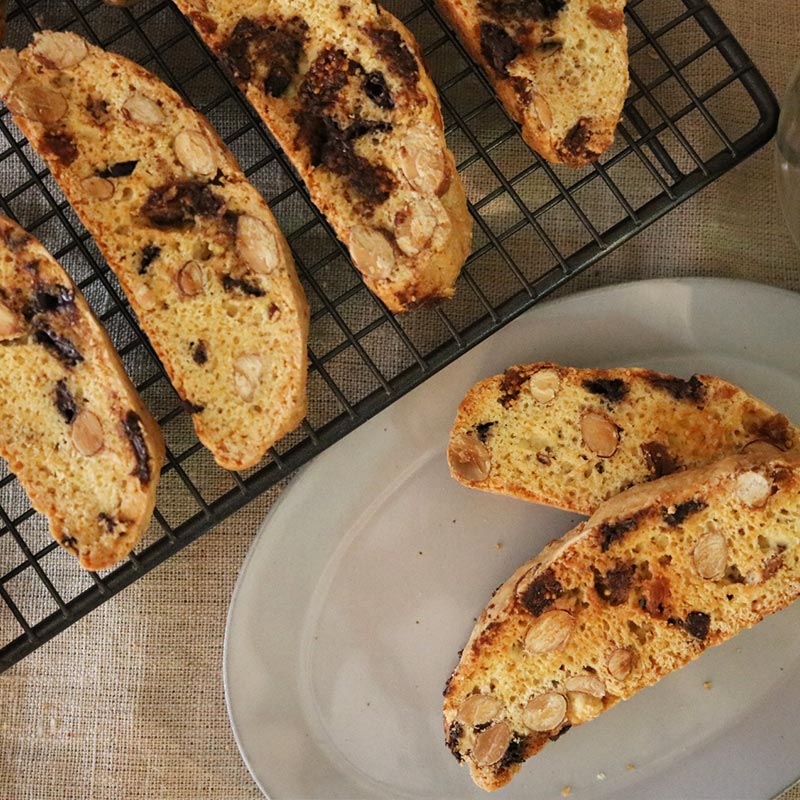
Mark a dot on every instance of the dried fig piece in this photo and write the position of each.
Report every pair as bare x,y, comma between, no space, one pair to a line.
545,712
605,18
469,458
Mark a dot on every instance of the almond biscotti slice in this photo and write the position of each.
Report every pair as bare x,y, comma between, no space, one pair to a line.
653,578
72,427
560,68
572,438
342,87
193,244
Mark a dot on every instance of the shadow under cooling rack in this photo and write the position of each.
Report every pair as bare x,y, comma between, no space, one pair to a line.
696,107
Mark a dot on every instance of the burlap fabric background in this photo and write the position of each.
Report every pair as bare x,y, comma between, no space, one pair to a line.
129,702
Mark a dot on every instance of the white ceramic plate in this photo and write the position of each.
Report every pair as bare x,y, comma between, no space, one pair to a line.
365,579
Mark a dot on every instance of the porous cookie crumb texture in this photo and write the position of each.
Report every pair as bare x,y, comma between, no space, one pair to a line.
657,575
342,87
194,245
573,438
72,427
560,68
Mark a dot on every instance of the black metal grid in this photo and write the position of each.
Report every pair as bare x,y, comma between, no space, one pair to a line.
697,106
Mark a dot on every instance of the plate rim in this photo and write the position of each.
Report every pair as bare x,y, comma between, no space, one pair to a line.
691,282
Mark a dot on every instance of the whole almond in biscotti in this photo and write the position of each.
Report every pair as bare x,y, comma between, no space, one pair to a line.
572,438
342,87
560,68
194,245
72,427
657,575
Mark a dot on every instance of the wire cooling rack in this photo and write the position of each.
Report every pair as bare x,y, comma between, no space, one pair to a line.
697,106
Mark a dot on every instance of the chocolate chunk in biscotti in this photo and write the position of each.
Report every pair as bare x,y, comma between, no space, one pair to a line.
572,438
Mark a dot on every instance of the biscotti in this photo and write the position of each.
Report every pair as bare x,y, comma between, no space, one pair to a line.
573,438
342,88
657,575
560,67
72,427
195,247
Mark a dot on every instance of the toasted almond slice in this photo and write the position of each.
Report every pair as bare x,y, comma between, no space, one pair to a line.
37,103
144,297
587,684
371,251
423,162
256,244
710,556
542,109
549,632
247,372
416,223
469,458
544,385
190,279
600,434
491,744
545,712
60,49
97,188
753,489
620,663
582,707
140,108
10,69
196,153
87,434
11,326
478,709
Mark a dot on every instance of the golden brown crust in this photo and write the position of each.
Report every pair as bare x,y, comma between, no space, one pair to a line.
655,577
572,438
193,244
72,427
560,68
342,88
